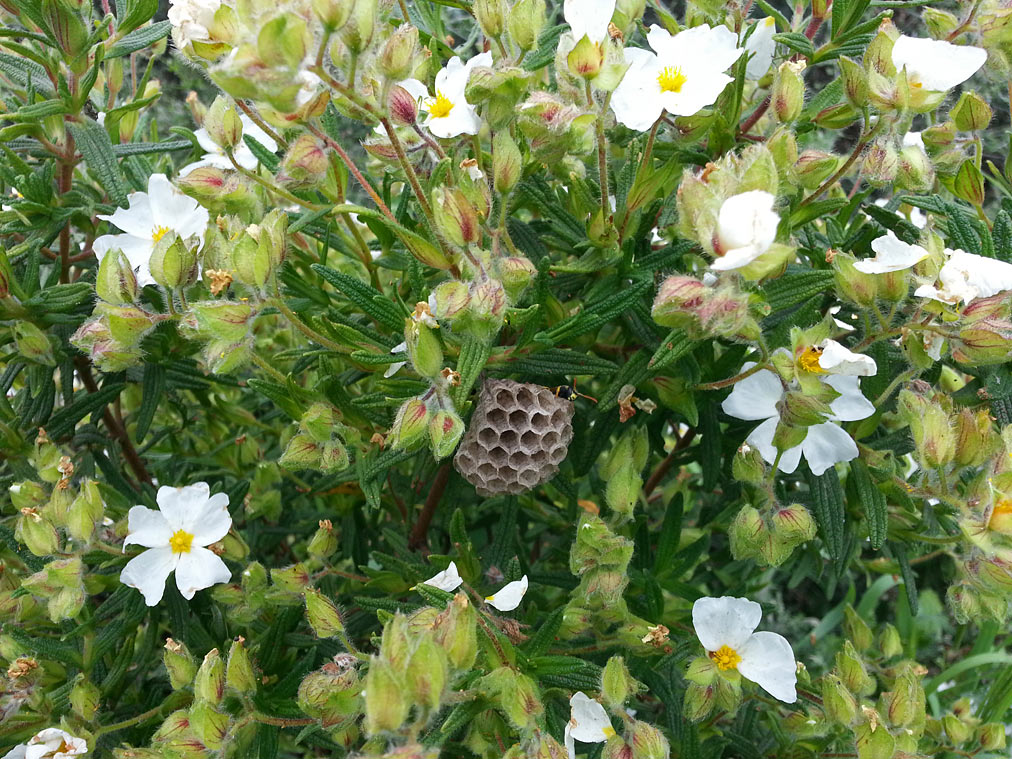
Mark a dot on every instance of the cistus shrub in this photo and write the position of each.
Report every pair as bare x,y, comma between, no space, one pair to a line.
505,378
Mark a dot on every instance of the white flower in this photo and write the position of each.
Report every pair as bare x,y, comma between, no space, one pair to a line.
509,596
191,20
836,359
588,722
588,18
726,628
311,85
449,579
913,139
936,65
187,521
51,743
761,46
683,75
449,113
396,366
746,228
215,154
834,310
966,276
891,254
151,215
756,397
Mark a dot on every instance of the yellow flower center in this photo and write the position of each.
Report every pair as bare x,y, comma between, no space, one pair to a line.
158,233
608,731
671,79
725,657
809,360
1000,513
181,541
442,107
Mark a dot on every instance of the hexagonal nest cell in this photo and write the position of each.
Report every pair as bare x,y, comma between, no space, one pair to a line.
518,436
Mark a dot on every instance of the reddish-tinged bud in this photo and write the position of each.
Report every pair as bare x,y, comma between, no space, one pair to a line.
677,300
450,298
402,105
455,216
411,424
306,162
445,430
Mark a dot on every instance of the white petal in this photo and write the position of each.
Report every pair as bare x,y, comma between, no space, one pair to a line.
136,249
588,721
748,219
754,397
184,505
199,568
509,596
147,527
936,65
148,573
569,741
417,90
768,660
205,141
725,621
588,17
19,752
737,258
891,254
48,743
449,579
851,405
249,127
214,522
913,139
987,276
836,359
700,90
636,101
171,208
137,219
394,368
825,445
762,46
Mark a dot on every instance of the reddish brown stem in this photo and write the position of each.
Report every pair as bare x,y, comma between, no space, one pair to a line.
355,172
420,532
662,469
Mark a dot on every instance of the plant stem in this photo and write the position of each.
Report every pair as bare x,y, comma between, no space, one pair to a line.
409,170
256,119
174,701
270,186
662,469
354,170
263,364
305,329
858,149
720,384
420,532
602,151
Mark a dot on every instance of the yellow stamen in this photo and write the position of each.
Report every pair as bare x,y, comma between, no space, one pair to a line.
1000,514
671,79
725,657
442,107
809,360
158,233
608,731
181,542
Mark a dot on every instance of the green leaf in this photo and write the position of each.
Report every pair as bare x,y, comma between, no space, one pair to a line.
64,421
797,42
548,42
280,394
370,300
96,148
671,534
828,507
871,501
135,13
596,315
554,363
139,39
795,288
151,393
270,161
674,346
474,354
544,635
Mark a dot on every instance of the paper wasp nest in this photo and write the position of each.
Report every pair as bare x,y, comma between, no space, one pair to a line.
518,436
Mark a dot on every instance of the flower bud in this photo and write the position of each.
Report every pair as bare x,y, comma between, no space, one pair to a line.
991,736
332,14
851,670
334,457
971,113
386,698
116,282
302,452
647,741
748,466
516,273
33,344
445,430
793,524
788,96
305,163
332,693
915,171
455,216
975,437
881,162
857,631
357,33
851,284
491,17
507,163
956,730
410,425
208,724
906,703
323,615
855,82
939,136
456,631
930,427
172,263
180,665
293,579
323,542
397,59
516,694
699,701
223,124
526,20
815,166
209,683
228,321
427,674
941,24
800,410
969,183
585,59
239,673
617,685
423,348
677,298
36,532
403,106
85,698
890,643
838,703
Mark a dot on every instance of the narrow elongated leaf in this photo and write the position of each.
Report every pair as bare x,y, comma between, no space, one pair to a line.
370,300
828,507
96,148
